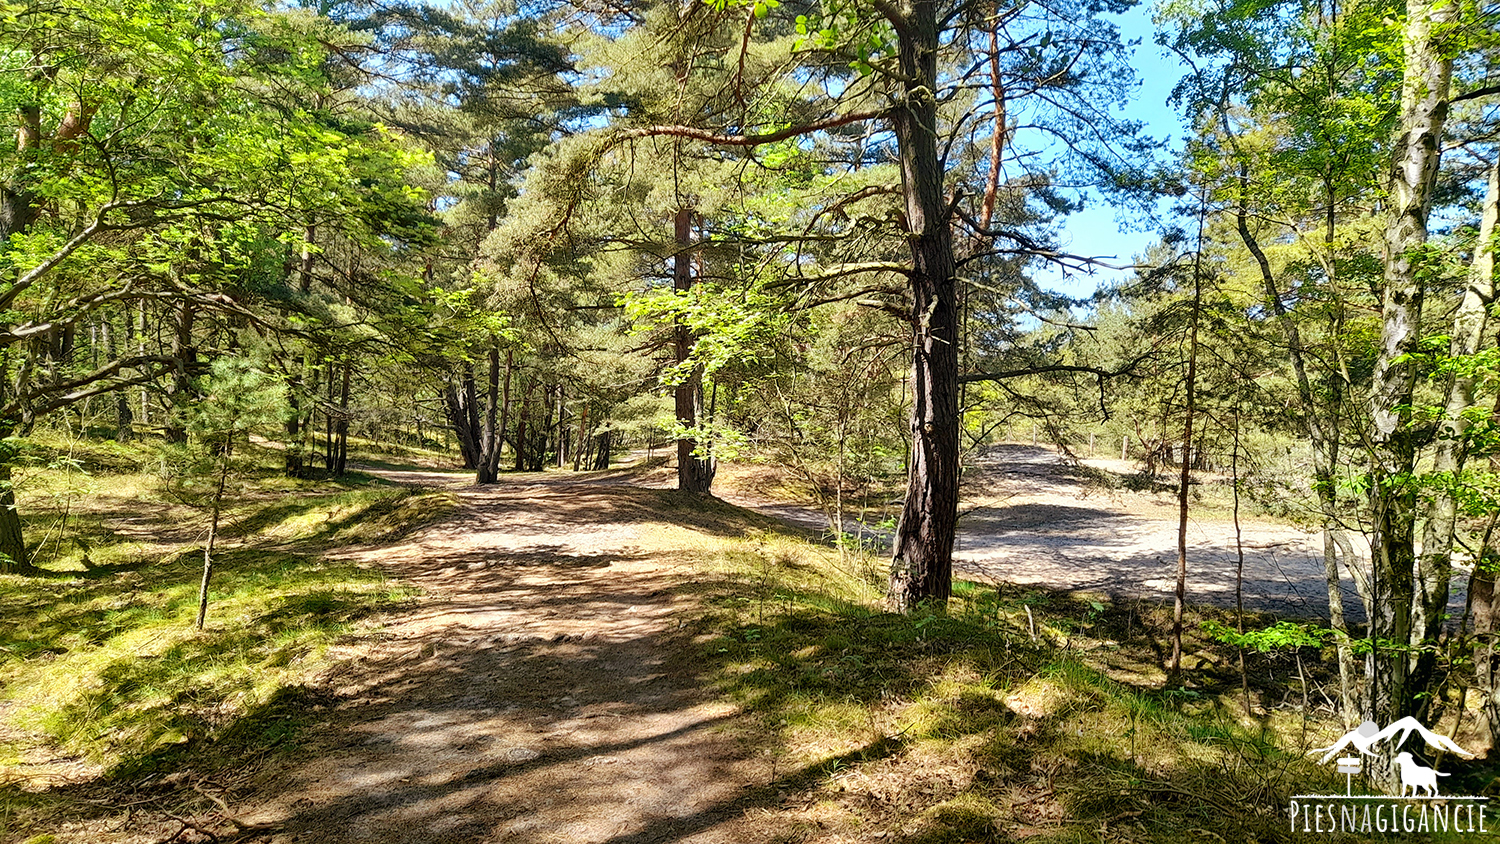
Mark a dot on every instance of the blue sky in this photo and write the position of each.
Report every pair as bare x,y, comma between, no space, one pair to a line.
1098,229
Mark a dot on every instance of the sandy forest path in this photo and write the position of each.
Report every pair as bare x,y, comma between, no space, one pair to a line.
543,687
541,690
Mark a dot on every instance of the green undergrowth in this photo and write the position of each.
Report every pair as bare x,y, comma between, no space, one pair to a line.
983,723
110,667
98,654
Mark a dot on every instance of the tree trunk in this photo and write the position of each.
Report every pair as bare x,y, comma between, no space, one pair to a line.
1435,567
695,471
13,556
1424,105
185,362
580,448
522,430
493,433
1485,602
458,421
124,419
563,440
545,433
310,380
328,406
213,534
145,394
18,207
1179,602
341,430
922,556
1325,449
291,459
601,453
504,407
305,262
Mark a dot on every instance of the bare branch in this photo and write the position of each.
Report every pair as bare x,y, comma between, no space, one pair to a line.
707,136
1475,94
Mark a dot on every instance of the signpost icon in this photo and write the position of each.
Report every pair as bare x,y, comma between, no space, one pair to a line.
1350,765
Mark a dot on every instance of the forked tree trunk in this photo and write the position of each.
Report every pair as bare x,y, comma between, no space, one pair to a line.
458,422
922,556
460,403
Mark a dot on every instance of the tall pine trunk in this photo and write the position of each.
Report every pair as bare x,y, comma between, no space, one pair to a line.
922,556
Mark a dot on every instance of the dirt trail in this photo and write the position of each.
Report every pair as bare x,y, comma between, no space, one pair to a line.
541,691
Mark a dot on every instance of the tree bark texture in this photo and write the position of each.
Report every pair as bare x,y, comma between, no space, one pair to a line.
695,472
922,556
1424,105
1485,601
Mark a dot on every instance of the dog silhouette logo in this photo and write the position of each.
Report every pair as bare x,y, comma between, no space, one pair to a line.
1416,777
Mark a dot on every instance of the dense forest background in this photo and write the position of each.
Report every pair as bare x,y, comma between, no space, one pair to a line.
546,234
